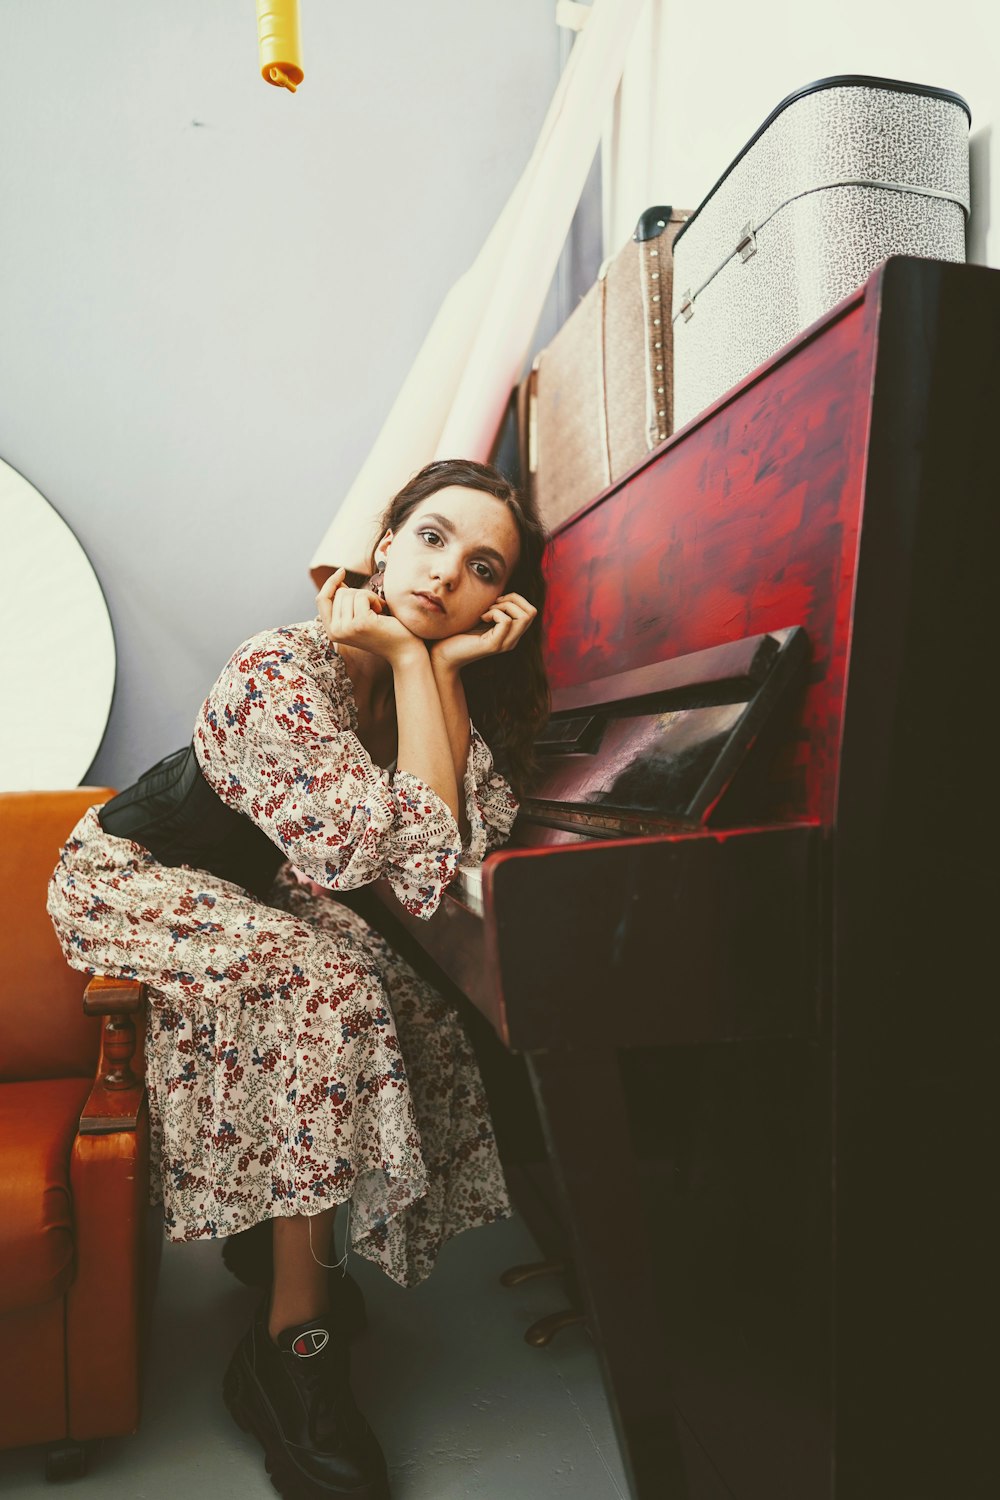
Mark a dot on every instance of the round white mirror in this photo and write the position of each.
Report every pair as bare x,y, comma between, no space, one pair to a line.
58,646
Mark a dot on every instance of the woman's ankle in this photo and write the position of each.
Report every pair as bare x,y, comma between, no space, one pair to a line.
292,1313
300,1289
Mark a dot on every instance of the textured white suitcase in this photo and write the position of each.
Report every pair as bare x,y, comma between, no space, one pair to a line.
844,173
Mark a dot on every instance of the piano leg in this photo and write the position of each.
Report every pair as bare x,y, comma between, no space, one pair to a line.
582,1108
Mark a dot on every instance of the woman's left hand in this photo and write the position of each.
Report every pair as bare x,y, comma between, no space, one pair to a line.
504,623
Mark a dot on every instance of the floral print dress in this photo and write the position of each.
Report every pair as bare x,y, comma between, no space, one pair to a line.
293,1059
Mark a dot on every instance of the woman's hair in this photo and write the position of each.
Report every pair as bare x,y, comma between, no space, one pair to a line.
508,694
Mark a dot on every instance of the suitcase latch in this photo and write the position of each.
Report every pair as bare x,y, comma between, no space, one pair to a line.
687,306
747,243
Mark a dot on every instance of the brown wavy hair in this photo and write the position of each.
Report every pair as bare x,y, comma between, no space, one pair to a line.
508,694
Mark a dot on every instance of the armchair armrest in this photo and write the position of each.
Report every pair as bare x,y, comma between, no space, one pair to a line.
116,1098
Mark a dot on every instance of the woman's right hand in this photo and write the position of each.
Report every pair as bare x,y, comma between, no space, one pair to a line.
357,617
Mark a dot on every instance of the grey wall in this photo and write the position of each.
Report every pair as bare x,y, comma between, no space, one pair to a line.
211,290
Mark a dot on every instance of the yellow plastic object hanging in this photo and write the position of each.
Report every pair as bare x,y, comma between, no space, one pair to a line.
280,48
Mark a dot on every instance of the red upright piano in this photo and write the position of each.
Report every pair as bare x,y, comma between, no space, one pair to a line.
759,1034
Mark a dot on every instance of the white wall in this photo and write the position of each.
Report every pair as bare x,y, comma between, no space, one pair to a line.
211,290
702,78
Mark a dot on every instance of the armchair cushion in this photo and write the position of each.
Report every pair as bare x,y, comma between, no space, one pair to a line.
38,1123
43,1030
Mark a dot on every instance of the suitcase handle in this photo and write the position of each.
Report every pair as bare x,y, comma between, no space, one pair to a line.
746,245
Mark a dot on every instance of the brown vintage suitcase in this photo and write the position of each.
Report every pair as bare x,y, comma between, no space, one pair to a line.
599,397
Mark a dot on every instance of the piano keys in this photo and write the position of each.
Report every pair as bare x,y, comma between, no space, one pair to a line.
749,995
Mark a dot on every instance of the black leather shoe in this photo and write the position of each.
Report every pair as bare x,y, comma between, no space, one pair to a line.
294,1396
249,1256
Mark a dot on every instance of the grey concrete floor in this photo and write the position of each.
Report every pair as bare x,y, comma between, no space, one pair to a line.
462,1406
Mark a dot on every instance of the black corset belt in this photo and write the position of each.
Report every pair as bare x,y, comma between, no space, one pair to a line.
174,813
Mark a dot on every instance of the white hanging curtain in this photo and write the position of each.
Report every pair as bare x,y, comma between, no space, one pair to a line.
453,399
634,147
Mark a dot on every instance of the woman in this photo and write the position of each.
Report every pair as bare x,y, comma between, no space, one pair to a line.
294,1061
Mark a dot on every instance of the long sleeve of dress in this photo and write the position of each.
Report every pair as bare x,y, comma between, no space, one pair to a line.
277,740
490,804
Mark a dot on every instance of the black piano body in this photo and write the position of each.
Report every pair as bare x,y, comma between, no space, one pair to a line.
758,1032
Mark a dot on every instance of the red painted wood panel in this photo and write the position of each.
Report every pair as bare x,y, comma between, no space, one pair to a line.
745,521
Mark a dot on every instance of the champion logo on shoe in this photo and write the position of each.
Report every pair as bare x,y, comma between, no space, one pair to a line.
311,1342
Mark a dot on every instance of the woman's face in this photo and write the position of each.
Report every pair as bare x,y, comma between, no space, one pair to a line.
449,561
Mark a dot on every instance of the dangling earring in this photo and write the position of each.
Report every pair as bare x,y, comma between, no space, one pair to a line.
376,583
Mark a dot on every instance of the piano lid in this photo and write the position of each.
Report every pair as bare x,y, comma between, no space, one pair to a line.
655,748
651,750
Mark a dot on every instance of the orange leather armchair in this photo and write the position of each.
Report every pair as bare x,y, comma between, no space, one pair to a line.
74,1148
